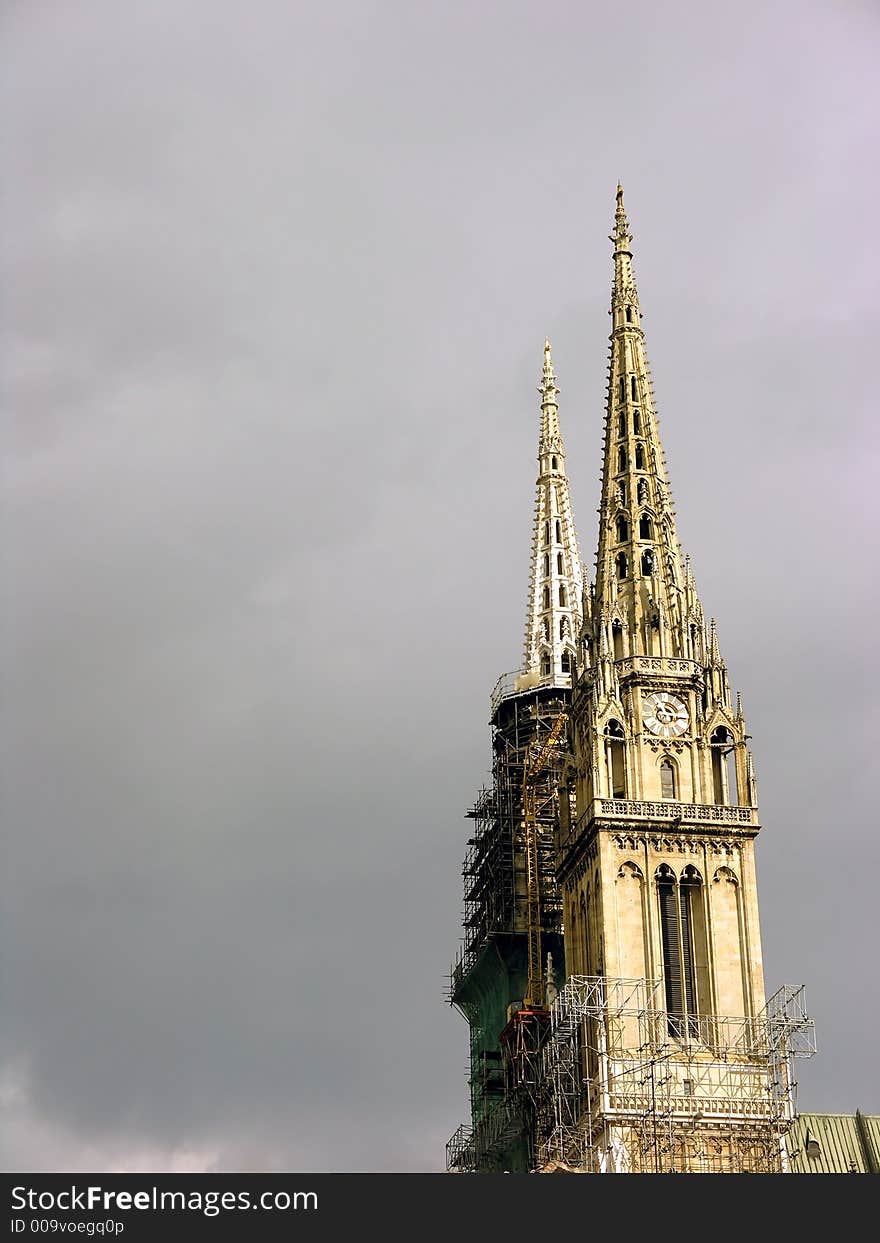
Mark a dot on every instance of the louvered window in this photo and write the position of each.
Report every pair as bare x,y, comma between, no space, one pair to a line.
677,917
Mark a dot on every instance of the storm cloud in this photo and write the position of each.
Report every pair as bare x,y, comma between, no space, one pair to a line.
277,281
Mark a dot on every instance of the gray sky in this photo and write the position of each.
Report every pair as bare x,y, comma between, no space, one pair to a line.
277,281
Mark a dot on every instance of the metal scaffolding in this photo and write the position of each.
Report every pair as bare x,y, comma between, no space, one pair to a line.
494,869
628,1087
490,980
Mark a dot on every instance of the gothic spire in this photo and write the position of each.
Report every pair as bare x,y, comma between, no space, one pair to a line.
554,612
640,575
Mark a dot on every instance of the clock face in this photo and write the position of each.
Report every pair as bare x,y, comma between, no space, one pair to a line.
664,715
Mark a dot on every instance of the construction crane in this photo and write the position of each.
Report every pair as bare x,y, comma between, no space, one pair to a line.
534,767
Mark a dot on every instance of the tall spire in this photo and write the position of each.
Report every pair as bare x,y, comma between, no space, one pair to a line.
554,612
641,585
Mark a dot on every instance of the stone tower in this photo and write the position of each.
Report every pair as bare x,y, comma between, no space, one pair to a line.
664,1055
510,903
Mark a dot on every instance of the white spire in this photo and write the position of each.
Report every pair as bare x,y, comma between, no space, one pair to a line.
639,568
554,613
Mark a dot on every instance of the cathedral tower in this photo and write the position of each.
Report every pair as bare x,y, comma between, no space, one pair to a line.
679,1060
622,810
512,958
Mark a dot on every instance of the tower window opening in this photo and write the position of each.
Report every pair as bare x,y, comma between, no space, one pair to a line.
616,759
546,597
643,491
547,629
546,565
562,594
566,662
546,532
617,640
621,458
622,529
553,463
563,627
558,531
629,314
559,562
621,423
622,389
585,936
682,930
640,458
620,561
637,422
621,491
546,666
723,767
667,779
632,387
732,781
647,563
644,527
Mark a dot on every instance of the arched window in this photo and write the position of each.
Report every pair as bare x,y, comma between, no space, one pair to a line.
546,666
621,426
546,532
682,930
667,779
643,491
558,531
622,529
621,491
637,422
559,563
644,527
620,562
585,937
562,594
616,759
553,465
725,787
546,565
546,597
617,640
546,628
629,314
632,387
563,627
566,662
640,458
621,458
622,389
647,563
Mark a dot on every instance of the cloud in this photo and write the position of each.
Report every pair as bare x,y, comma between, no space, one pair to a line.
279,289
